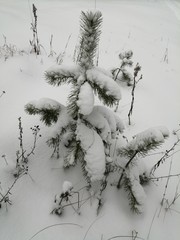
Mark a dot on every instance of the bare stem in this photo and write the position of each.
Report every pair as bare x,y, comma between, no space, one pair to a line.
127,164
165,156
136,70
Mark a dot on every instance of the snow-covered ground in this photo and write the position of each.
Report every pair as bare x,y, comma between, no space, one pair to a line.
151,28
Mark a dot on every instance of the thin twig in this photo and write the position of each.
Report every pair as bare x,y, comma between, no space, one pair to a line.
9,189
127,164
123,236
165,156
164,194
136,70
91,226
3,92
151,224
54,225
167,176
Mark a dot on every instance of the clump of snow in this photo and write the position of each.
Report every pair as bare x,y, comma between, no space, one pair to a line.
64,119
133,175
67,187
119,123
104,71
106,121
104,82
46,103
114,121
151,135
86,99
99,122
156,134
126,54
94,151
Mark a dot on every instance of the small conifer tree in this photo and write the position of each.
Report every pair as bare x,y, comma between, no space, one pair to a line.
82,130
134,173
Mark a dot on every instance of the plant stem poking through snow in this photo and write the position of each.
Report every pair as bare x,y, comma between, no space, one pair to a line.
21,158
165,156
52,52
126,166
122,74
35,41
3,92
135,81
54,225
63,200
61,56
5,197
4,156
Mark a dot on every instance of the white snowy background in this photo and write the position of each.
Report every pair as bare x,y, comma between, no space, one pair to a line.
151,28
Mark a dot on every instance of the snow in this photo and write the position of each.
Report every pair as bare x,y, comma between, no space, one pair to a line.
104,82
64,70
67,186
94,151
147,27
154,135
46,103
85,100
99,122
63,121
114,121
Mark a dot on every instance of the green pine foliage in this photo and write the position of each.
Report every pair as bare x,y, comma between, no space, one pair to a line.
47,115
89,37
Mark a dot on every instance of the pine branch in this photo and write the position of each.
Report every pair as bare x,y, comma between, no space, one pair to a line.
56,78
142,149
72,102
48,115
126,166
90,32
108,100
133,202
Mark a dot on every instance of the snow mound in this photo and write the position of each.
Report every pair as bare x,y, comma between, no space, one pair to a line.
46,103
93,147
104,82
67,186
150,136
86,99
64,70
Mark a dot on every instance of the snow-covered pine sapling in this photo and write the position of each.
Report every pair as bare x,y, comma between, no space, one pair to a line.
135,81
84,131
35,41
132,176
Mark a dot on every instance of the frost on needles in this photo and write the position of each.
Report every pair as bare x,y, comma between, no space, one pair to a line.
83,131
